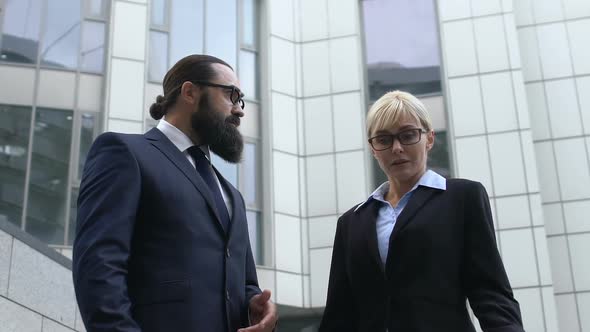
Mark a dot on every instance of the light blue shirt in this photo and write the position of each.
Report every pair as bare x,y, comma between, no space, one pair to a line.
388,214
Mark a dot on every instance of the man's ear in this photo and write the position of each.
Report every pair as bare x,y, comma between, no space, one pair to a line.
190,92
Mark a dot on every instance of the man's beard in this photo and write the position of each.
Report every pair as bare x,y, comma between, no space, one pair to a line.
222,136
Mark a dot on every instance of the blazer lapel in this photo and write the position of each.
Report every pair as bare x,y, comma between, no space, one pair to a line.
418,199
368,217
162,143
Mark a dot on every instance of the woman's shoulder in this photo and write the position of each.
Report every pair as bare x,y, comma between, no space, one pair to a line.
460,183
466,187
360,211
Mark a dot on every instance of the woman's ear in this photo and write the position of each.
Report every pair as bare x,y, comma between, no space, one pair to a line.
429,140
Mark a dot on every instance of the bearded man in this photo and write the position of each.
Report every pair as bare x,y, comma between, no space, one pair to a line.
162,239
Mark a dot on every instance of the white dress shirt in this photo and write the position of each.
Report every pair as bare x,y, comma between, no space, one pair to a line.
183,142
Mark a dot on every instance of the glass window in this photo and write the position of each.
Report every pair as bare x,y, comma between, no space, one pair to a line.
407,62
250,175
92,52
88,130
404,61
249,11
186,29
228,170
20,31
158,11
254,230
47,204
73,215
96,8
438,157
221,30
61,39
158,64
14,145
247,74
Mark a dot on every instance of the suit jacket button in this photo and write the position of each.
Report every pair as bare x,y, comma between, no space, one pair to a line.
227,294
227,253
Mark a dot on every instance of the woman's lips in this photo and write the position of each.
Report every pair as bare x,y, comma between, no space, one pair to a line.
399,162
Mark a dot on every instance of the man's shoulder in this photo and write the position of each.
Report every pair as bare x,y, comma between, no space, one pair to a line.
110,135
113,138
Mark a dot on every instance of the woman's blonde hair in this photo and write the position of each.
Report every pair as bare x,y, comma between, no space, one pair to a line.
391,107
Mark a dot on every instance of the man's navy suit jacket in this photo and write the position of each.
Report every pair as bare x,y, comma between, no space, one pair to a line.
150,252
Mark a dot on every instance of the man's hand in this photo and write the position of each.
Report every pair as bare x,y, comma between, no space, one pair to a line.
263,313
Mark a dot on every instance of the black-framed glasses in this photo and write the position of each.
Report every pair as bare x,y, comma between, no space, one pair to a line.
405,137
236,96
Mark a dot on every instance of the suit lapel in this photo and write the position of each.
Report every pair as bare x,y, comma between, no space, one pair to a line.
234,197
368,217
162,143
418,199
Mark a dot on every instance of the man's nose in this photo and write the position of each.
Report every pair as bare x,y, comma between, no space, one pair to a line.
237,111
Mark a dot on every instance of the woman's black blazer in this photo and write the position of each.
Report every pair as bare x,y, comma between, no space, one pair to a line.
442,252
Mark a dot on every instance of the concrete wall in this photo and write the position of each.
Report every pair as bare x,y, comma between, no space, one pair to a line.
36,289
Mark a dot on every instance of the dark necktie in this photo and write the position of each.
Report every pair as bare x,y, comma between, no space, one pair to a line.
206,171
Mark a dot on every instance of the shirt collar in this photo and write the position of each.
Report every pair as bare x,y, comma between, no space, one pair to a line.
178,138
430,179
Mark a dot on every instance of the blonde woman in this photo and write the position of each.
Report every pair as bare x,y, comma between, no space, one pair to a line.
408,258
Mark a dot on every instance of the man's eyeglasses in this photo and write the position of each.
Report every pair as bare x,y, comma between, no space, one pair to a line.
236,96
405,137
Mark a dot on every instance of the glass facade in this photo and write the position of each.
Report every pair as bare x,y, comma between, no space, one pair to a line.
48,184
92,51
54,34
61,32
44,143
40,191
408,62
14,146
180,28
21,25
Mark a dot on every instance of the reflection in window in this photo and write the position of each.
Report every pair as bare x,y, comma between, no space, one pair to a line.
47,204
438,157
407,62
158,12
254,231
221,32
247,74
158,64
73,215
88,130
250,178
228,170
397,60
62,34
186,29
20,31
249,22
158,56
14,144
92,52
96,8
